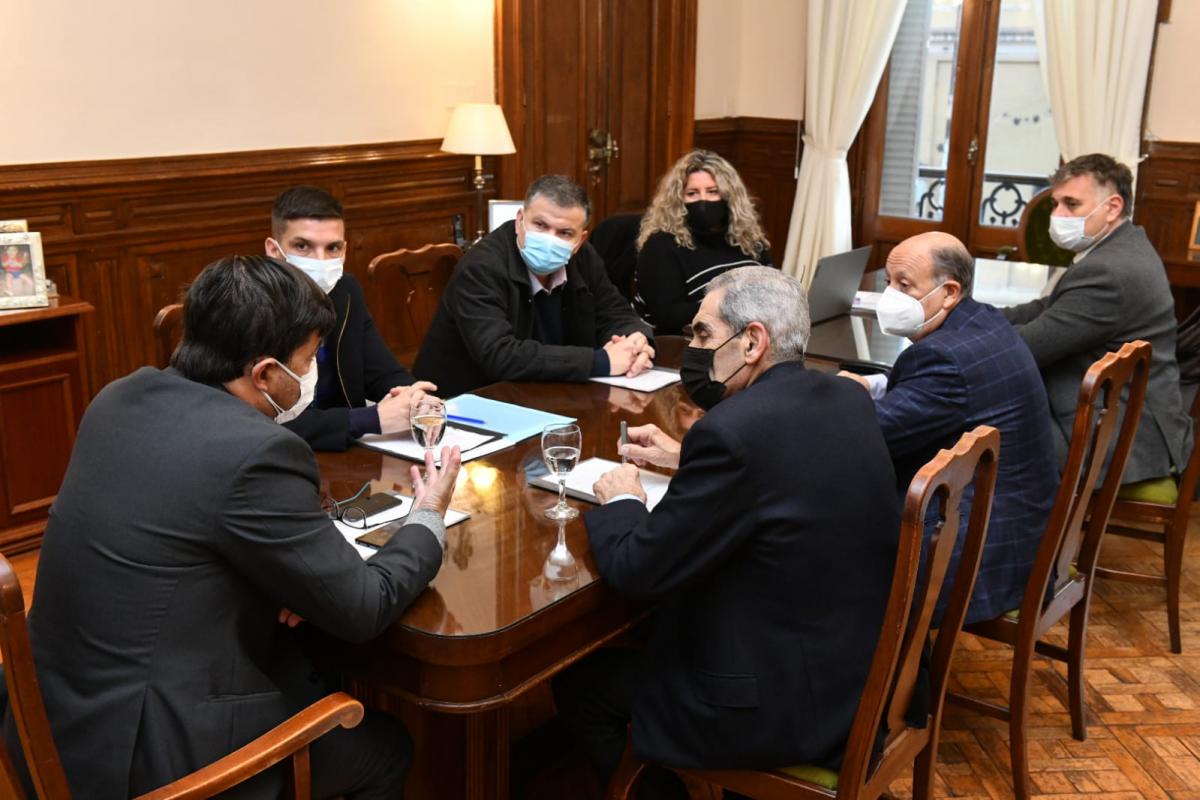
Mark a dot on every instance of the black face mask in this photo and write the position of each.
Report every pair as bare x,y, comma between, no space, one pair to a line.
707,215
695,369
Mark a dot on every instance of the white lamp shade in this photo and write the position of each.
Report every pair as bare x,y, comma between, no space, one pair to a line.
478,129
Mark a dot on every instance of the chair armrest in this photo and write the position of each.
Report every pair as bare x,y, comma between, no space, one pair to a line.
266,751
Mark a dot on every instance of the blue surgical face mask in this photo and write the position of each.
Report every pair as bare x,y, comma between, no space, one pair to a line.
544,253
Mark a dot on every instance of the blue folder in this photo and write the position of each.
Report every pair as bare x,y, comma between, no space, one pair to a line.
513,421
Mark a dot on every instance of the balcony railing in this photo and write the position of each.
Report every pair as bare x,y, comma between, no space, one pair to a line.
1005,195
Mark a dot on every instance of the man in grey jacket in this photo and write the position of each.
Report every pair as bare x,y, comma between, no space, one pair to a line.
188,529
1115,292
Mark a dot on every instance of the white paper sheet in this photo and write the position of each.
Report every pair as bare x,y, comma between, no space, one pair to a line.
383,518
649,381
587,472
402,444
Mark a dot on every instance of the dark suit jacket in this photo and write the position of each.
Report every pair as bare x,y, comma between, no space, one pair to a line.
483,329
975,370
771,557
186,520
1115,294
358,367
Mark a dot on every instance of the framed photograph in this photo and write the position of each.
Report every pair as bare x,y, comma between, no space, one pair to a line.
22,271
14,226
1194,241
501,211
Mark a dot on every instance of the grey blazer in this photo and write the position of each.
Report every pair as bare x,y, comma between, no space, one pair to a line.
186,520
1115,294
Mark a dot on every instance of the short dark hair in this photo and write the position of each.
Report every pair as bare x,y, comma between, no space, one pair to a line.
1106,170
562,191
955,264
303,202
241,308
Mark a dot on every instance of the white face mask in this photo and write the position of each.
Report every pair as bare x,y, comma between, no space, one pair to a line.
900,314
308,389
1068,232
325,271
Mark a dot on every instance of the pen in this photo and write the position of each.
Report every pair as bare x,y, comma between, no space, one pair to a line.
468,420
624,439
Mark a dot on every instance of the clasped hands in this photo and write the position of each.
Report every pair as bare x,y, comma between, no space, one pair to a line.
629,355
647,445
393,409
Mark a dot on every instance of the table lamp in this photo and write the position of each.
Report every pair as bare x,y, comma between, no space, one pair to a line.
478,129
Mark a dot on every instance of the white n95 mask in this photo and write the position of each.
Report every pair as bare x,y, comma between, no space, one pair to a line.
325,271
308,389
900,314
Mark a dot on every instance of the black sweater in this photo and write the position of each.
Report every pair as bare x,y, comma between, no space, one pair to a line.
671,279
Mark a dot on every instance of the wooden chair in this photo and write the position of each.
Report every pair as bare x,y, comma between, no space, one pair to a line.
1165,524
1033,234
290,739
168,329
419,277
895,668
1060,582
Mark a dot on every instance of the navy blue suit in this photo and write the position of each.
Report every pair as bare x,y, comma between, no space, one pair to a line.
771,559
976,370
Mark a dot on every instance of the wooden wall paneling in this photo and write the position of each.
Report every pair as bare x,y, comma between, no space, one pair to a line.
127,235
630,108
763,152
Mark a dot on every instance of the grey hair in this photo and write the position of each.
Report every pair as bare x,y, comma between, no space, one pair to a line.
954,263
766,295
562,192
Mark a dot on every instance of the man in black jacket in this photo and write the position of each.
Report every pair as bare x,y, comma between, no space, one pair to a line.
532,301
353,363
769,560
186,525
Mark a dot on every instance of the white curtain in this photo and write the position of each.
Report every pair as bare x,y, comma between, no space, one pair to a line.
1095,56
848,45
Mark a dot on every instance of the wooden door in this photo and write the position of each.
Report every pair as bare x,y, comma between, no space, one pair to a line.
601,90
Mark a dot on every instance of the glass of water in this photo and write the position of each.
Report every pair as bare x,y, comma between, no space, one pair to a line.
560,450
427,416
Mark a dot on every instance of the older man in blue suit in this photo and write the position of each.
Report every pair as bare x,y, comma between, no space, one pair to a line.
966,367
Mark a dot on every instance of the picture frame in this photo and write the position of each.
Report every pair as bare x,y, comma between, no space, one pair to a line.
14,226
22,271
1194,239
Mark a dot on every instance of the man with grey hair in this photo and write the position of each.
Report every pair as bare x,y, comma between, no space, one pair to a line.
769,559
532,301
966,367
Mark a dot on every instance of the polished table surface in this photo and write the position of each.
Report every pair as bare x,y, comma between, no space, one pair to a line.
855,341
491,626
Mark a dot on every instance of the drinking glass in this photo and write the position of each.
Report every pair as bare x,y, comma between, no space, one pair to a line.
560,450
427,416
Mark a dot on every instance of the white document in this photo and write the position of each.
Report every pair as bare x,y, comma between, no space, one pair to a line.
649,381
392,514
403,445
867,301
587,472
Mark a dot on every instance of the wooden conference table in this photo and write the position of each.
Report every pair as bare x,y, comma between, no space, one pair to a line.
490,627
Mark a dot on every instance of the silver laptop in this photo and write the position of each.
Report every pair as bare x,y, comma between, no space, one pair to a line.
831,292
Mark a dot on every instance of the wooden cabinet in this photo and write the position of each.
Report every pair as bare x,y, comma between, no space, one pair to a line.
42,397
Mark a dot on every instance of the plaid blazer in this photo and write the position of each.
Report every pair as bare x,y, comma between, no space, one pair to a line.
976,370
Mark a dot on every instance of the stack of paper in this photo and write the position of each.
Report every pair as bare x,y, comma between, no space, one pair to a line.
477,425
649,381
587,472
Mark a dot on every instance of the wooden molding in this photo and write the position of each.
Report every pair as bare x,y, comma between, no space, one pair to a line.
127,235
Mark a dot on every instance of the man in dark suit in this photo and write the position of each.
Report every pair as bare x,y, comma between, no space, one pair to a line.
966,367
1116,291
532,302
770,559
187,529
353,363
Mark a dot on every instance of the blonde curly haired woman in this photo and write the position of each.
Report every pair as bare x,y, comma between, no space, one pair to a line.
700,224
